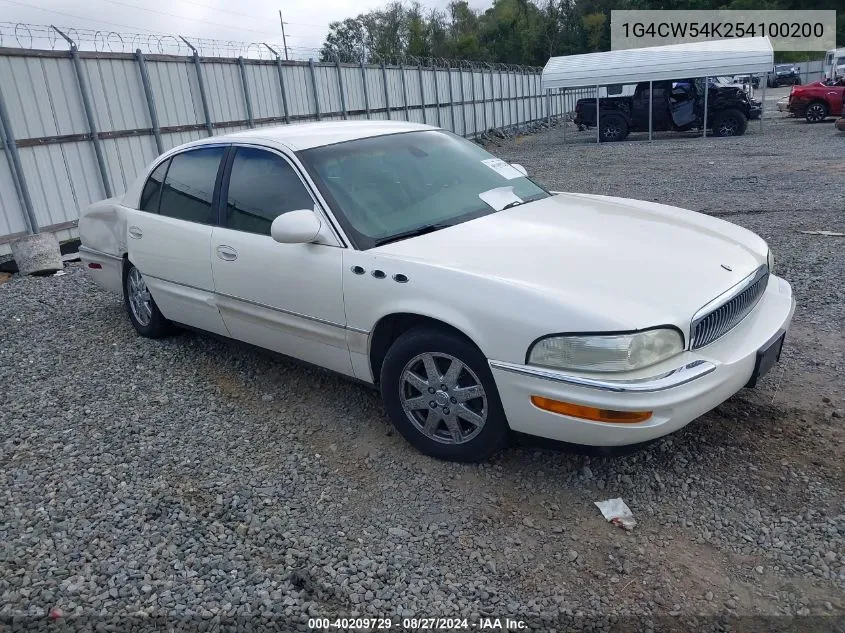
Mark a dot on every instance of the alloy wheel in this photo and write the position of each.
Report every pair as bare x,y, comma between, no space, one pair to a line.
611,133
815,112
140,300
443,398
728,127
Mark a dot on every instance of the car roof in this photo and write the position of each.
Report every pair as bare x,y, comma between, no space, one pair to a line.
299,136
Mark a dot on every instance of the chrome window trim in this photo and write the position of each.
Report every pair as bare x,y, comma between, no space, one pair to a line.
724,298
667,380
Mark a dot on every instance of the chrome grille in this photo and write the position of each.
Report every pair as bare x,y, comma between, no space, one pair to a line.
726,311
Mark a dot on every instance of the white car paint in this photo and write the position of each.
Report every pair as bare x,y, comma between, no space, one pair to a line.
570,263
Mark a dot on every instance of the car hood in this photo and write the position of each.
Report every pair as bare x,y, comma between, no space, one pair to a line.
637,263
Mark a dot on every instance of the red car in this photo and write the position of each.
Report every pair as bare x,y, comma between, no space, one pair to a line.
818,100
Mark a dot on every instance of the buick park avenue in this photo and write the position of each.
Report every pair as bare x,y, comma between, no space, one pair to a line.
476,301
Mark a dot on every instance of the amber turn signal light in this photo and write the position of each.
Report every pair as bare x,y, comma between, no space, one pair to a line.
589,413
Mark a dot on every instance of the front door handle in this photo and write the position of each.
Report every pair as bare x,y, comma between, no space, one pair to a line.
135,233
227,253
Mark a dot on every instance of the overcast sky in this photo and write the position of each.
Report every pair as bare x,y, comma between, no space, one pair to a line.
246,20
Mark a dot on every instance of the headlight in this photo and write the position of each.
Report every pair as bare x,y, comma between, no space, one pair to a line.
770,261
611,352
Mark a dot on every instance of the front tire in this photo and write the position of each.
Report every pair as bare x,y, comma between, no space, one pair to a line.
816,112
730,122
144,314
440,395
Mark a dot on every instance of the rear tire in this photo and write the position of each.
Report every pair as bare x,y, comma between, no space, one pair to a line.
440,395
730,122
816,112
613,128
144,314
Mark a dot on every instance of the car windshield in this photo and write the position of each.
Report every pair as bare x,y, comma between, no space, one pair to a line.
389,187
783,68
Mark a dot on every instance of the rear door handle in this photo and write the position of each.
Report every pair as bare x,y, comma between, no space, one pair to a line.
227,253
135,233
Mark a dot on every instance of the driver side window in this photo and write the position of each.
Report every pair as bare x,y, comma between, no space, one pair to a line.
262,186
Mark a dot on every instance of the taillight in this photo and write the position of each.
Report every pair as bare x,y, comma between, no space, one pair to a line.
95,266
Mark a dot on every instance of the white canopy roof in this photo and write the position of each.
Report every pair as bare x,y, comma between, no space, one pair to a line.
737,56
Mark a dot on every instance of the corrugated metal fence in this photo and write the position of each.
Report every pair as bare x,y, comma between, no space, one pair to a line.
86,123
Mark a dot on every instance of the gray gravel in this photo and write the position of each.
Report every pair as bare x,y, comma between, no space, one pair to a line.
201,482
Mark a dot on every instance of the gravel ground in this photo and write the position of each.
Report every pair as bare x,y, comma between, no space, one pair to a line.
202,483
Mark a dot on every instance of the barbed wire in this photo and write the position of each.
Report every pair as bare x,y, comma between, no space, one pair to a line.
47,37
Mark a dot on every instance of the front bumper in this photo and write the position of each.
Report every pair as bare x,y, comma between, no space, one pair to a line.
677,391
755,110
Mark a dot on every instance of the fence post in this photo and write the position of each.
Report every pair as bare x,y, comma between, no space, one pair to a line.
492,98
366,92
201,84
422,94
281,80
247,99
89,112
704,123
386,95
451,97
436,75
18,176
314,86
340,87
483,102
474,104
512,99
404,91
502,97
463,98
148,93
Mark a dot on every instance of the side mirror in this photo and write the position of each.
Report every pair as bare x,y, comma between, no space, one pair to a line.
296,227
520,168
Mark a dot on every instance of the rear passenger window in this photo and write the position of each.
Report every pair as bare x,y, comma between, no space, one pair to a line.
152,190
189,185
262,186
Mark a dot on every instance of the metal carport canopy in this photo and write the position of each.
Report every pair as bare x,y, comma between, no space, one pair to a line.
737,56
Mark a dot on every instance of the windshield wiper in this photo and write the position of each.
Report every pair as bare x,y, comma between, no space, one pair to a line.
421,230
516,203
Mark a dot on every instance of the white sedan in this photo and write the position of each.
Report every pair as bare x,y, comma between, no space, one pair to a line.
478,302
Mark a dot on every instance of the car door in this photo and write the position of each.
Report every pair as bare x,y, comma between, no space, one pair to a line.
283,297
169,236
835,95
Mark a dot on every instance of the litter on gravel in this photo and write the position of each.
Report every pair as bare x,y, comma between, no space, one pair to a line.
617,512
826,233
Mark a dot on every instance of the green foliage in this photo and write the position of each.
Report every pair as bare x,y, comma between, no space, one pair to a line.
513,31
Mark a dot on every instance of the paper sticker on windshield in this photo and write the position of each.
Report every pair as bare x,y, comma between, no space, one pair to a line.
502,168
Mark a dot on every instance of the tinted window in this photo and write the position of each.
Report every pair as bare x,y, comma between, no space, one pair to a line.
189,185
152,190
262,187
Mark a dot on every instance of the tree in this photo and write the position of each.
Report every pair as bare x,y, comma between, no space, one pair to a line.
346,41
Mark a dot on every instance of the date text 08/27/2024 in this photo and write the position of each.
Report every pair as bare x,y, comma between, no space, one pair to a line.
418,623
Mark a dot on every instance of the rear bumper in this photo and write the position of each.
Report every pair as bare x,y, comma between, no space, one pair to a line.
104,269
676,391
